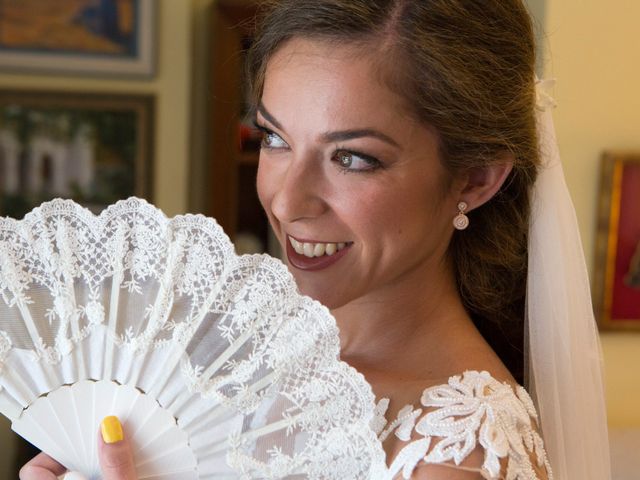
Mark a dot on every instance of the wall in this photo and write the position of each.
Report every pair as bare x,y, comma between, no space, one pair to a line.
199,184
595,57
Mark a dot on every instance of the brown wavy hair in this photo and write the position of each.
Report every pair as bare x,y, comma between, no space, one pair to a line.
466,68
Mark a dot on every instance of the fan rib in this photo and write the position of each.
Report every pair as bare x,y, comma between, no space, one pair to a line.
114,301
18,389
264,382
159,384
75,328
58,407
201,420
75,421
29,323
38,345
252,435
28,428
9,407
229,351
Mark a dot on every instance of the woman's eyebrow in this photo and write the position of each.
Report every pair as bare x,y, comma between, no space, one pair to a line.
270,118
337,136
343,135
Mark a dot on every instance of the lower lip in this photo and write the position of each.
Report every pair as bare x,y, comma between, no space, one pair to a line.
303,262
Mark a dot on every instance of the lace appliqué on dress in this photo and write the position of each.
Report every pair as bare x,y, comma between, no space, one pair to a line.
471,409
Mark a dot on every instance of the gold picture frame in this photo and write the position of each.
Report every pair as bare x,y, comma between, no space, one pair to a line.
616,281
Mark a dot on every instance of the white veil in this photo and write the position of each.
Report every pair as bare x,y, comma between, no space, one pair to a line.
565,361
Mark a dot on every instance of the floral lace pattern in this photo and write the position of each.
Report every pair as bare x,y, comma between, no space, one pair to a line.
471,410
168,307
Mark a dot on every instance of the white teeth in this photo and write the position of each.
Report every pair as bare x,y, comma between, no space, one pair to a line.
315,249
318,250
297,246
308,249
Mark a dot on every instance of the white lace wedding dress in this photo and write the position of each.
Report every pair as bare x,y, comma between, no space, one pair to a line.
472,413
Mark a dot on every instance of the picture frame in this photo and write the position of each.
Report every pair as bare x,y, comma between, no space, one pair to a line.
79,37
94,148
616,283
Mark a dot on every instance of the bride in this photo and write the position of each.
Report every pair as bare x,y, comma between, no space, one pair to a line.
399,157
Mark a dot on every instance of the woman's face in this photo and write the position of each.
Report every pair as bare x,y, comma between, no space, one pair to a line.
351,183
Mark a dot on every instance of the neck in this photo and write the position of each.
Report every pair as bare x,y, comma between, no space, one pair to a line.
405,322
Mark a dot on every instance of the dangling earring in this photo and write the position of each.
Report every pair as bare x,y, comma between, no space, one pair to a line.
461,221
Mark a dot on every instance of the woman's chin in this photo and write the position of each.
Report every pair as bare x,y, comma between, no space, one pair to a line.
325,295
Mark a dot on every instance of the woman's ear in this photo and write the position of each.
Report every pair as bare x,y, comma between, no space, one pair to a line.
480,184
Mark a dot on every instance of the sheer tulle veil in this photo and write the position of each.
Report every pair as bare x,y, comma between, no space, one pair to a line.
564,354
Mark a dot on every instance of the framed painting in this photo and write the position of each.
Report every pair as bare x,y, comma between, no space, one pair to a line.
617,269
95,149
90,37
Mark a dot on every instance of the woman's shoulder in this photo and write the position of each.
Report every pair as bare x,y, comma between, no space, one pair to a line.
473,426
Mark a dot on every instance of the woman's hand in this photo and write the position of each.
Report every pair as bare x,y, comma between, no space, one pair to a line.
114,452
41,467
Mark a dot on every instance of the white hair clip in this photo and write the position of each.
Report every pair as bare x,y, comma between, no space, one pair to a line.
544,100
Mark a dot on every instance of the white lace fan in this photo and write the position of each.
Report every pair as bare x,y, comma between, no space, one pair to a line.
217,367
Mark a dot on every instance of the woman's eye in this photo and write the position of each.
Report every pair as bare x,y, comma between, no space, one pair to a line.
355,162
272,140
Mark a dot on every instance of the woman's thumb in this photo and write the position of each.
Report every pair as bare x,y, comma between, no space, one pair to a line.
114,451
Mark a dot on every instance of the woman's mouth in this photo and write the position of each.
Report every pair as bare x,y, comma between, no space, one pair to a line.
314,255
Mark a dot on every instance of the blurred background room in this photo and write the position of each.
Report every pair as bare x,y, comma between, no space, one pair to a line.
103,99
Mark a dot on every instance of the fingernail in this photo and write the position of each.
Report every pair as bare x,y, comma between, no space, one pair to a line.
111,430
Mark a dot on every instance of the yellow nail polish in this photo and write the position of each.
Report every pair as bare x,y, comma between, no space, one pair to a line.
111,430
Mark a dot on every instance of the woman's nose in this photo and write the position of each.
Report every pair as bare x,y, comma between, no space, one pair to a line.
298,194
